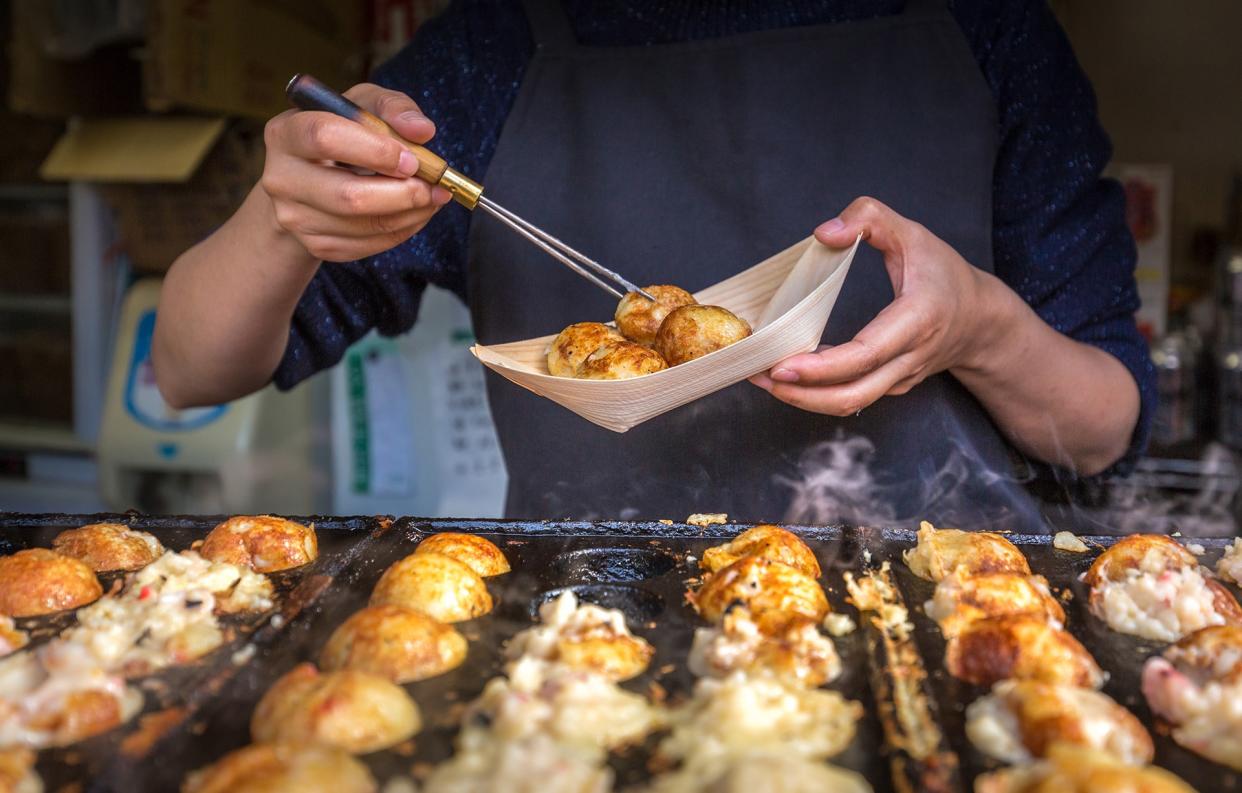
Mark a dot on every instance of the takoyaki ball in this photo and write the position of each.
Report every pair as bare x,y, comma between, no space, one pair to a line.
38,581
17,771
394,642
572,345
943,551
109,546
799,653
639,319
774,592
437,585
478,553
1229,567
1021,719
348,709
278,768
583,636
1078,769
1195,687
1020,647
1210,654
1146,553
263,543
39,708
691,332
1150,586
11,639
770,542
620,360
960,600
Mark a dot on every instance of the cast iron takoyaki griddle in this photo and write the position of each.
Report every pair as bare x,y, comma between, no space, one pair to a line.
1121,656
175,693
641,568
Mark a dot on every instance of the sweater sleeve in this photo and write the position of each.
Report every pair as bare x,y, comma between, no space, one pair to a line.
463,68
1060,238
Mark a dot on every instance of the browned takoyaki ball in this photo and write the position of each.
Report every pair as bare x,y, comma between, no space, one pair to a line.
63,711
1071,768
1149,553
1021,719
38,581
572,346
268,768
348,709
109,546
770,542
437,585
1020,647
691,332
264,543
943,551
478,553
960,600
774,592
639,319
620,360
394,642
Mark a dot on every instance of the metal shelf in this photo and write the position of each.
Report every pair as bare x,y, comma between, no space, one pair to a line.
35,304
19,435
33,192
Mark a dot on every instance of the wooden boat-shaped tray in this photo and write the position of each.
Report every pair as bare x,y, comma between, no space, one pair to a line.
787,299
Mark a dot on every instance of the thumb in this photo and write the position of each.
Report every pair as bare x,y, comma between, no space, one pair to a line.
883,228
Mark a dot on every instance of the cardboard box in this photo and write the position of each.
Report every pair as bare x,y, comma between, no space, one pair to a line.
230,57
109,80
170,181
236,56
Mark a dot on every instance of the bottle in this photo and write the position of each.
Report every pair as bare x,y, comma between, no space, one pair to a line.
1229,415
1174,421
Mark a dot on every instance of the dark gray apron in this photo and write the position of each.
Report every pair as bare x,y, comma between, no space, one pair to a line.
686,163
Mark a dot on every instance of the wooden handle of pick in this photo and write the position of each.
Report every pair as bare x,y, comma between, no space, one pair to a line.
307,93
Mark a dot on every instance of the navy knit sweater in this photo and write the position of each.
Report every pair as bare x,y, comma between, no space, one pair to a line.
1059,234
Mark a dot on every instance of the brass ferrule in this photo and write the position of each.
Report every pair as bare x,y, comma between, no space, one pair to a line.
465,191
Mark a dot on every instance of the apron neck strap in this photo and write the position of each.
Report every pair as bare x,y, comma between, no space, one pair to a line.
549,24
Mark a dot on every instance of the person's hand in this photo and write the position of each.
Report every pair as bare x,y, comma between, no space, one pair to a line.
336,213
935,322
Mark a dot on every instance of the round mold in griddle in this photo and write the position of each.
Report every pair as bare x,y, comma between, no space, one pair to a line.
638,605
611,565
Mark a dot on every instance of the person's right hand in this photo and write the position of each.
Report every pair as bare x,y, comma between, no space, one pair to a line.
337,214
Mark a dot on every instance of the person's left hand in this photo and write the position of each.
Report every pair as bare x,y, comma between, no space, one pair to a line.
934,322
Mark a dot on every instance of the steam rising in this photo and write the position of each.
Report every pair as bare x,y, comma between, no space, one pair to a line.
837,481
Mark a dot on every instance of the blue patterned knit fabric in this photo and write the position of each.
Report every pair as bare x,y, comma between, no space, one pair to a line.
1060,239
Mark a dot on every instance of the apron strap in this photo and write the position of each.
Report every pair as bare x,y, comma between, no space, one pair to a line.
549,25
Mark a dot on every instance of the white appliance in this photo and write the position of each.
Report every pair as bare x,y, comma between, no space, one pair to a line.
411,430
263,453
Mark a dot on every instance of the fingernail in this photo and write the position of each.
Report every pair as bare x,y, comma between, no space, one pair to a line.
412,117
763,381
832,226
407,163
440,196
785,375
